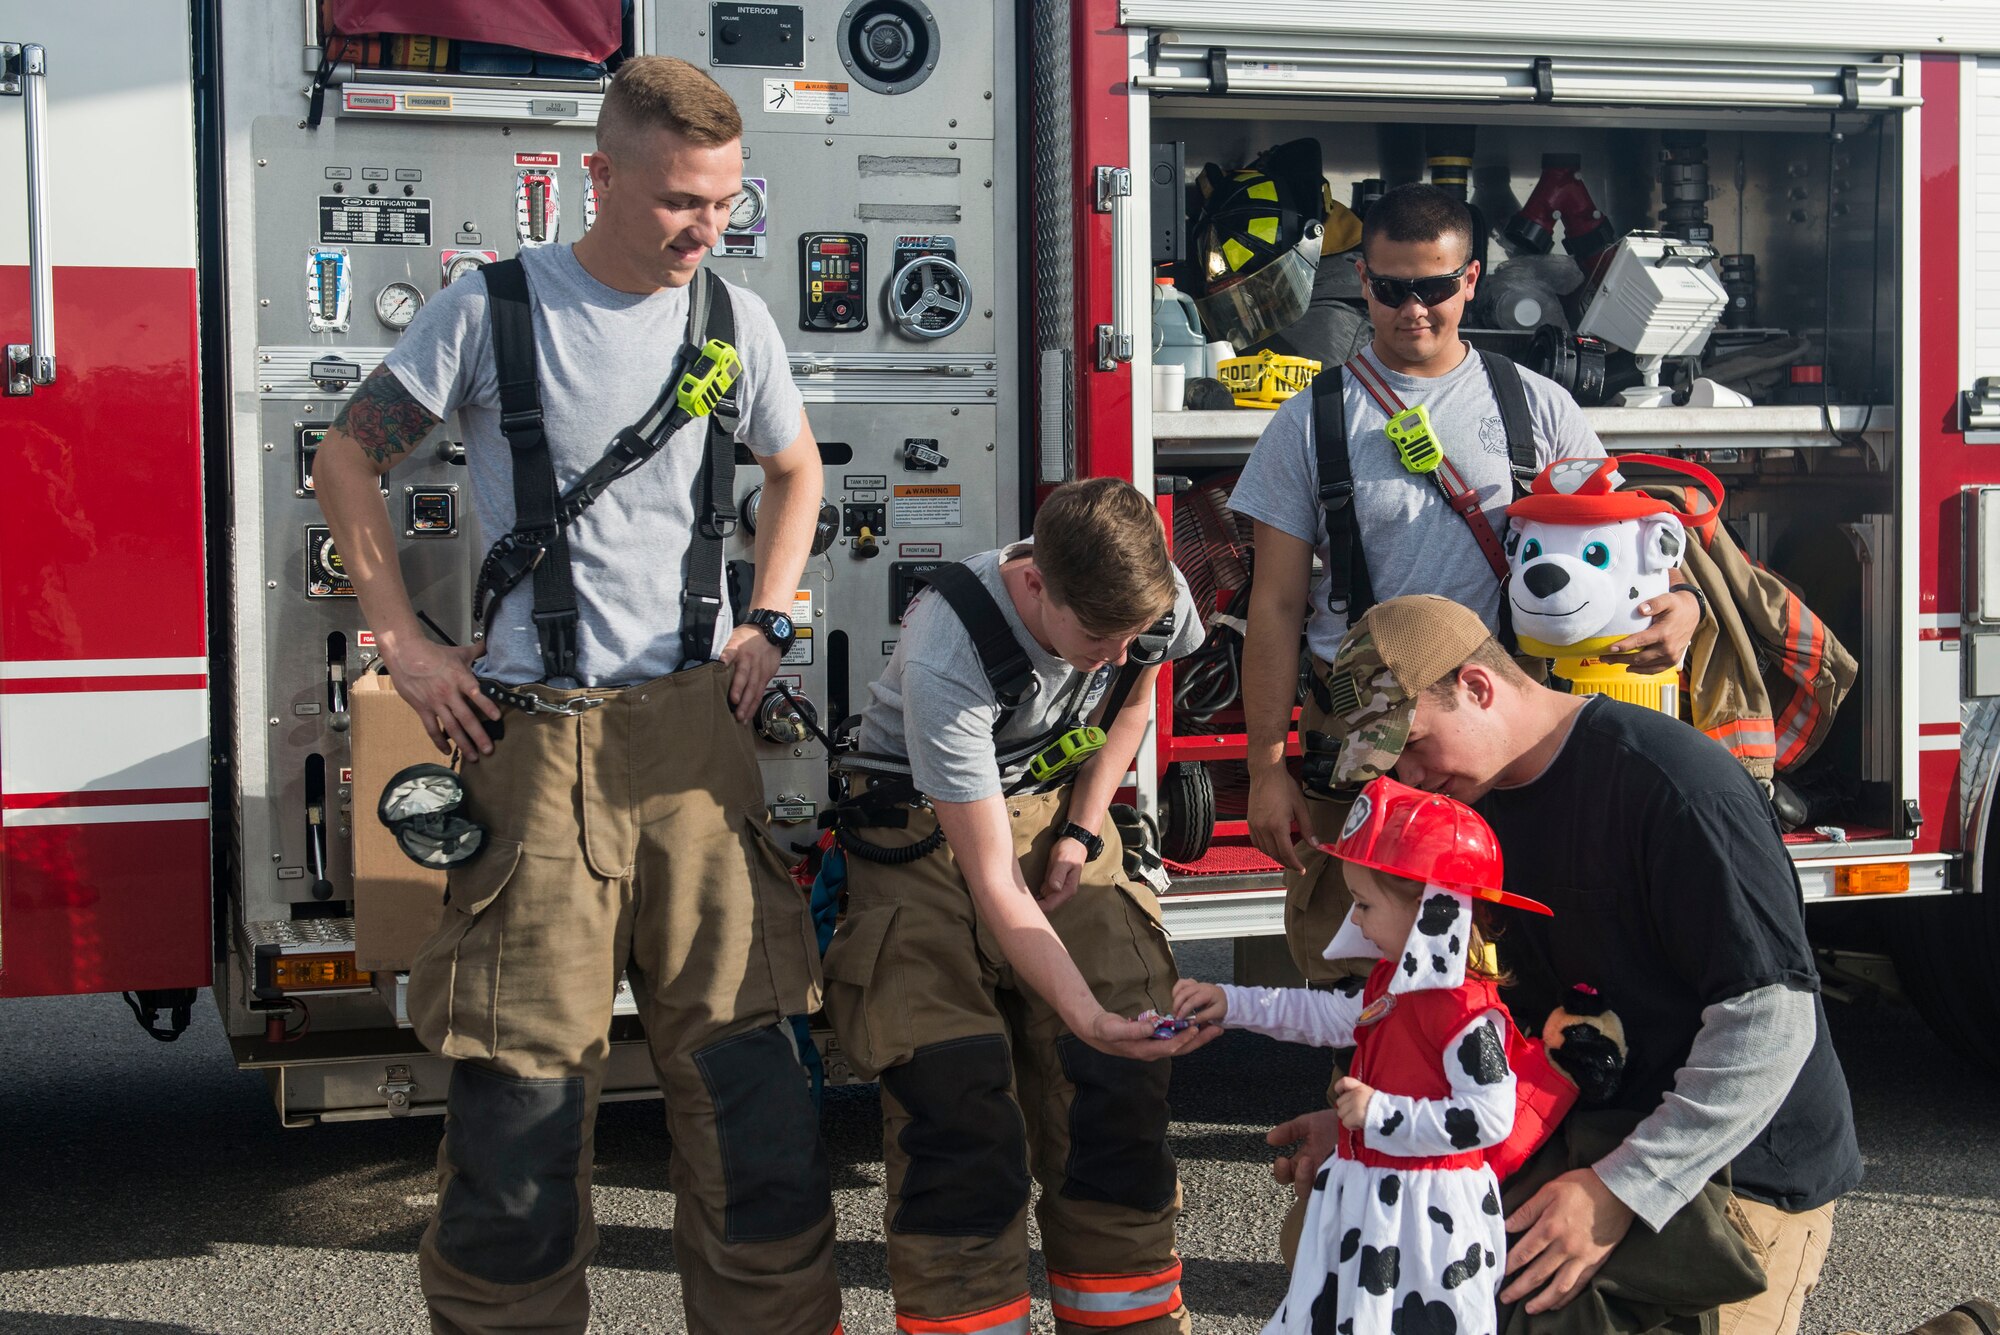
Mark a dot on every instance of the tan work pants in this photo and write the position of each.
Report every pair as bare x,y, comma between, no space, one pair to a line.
1792,1249
981,1082
1317,901
630,839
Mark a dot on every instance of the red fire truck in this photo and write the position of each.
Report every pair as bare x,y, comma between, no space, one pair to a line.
227,212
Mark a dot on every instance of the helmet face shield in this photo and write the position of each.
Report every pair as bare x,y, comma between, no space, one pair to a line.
1250,310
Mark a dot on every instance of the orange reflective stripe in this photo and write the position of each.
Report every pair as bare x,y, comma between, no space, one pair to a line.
1747,737
1110,1301
1010,1318
1805,637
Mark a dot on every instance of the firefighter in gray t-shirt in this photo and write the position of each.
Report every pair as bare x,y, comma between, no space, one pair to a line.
994,949
1418,279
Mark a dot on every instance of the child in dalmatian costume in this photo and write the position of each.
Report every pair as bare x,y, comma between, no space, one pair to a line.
1403,1231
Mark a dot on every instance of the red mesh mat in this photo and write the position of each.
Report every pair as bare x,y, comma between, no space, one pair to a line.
1226,860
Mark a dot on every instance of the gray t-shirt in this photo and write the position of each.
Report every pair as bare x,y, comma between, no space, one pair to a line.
1415,543
935,692
602,356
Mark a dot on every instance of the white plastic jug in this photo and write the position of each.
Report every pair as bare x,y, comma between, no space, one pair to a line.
1177,336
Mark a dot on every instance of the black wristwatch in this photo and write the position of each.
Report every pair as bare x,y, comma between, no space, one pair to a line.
777,627
1093,844
1700,602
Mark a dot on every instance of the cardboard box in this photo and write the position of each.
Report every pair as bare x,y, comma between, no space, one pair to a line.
396,902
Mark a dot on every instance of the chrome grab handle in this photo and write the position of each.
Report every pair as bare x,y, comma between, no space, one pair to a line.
1114,196
24,74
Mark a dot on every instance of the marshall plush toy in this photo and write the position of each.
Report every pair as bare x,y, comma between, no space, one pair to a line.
1583,555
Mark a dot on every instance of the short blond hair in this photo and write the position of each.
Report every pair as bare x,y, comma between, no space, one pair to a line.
1100,547
663,93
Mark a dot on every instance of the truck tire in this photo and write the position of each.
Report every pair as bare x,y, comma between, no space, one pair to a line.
1945,951
1187,811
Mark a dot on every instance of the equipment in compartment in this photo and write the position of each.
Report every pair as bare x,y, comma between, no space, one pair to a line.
1739,281
1573,361
1560,194
1658,300
1684,187
1255,242
1448,157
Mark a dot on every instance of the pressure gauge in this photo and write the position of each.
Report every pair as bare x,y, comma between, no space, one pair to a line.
749,210
458,264
397,304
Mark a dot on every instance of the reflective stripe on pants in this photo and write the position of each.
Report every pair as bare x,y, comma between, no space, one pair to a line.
1114,1300
1007,1319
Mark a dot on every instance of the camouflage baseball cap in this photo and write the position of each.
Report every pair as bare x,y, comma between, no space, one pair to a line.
1395,652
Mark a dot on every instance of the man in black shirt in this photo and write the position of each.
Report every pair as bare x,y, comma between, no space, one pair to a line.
1673,894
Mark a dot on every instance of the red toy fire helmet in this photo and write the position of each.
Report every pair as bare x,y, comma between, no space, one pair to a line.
1426,837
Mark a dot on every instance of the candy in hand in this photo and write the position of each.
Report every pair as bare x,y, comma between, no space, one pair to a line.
1164,1026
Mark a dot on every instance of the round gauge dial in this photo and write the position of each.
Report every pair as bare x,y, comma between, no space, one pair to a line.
463,265
749,210
397,304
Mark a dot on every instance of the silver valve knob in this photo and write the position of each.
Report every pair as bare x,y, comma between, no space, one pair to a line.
785,721
930,297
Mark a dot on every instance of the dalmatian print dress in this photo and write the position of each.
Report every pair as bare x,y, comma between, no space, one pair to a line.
1386,1249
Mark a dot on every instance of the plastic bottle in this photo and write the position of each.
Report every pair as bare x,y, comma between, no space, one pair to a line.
1177,336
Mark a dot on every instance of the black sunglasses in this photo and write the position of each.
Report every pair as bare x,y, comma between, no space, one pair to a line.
1432,291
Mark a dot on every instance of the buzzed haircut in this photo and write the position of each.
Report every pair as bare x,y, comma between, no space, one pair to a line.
1416,212
661,92
1489,655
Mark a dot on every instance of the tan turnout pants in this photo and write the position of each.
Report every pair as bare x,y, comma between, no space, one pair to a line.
1317,901
982,1083
627,840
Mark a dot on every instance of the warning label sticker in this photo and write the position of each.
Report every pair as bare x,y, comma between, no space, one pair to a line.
802,607
805,97
801,652
369,221
927,505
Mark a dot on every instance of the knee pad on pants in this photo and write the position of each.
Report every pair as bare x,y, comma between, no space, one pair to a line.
1117,1129
966,1142
773,1163
509,1215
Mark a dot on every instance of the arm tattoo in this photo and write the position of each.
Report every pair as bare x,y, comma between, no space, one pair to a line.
382,417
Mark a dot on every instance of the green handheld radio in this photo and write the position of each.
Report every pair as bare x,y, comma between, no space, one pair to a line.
1416,444
1065,753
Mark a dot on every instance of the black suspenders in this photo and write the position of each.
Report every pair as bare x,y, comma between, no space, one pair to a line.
539,543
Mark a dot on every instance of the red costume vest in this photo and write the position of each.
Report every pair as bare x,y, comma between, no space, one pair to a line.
1399,1048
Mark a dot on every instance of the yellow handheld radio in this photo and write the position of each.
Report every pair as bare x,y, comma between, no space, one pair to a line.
704,384
1416,444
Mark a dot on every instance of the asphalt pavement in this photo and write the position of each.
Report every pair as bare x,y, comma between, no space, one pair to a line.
147,1189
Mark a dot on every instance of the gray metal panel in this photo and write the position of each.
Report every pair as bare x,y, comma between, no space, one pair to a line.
956,101
893,165
1942,25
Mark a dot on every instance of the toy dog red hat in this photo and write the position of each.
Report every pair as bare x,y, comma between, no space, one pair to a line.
1426,837
1583,491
